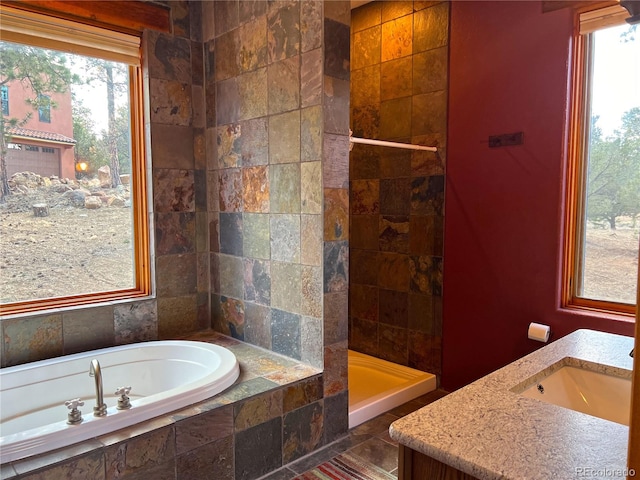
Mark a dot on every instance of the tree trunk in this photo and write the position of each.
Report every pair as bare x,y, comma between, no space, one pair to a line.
113,140
612,222
4,180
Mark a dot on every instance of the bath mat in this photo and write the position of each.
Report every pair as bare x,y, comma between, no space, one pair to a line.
346,467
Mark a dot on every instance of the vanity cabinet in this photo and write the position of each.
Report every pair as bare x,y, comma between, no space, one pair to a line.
414,465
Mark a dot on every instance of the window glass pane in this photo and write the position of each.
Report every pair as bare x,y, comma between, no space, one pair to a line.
77,164
612,223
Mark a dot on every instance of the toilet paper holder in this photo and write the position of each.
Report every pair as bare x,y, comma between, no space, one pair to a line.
539,332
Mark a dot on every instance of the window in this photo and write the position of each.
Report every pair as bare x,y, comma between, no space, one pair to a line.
31,148
107,255
4,98
44,108
603,191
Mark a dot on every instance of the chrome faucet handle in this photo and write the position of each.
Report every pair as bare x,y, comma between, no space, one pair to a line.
75,415
123,402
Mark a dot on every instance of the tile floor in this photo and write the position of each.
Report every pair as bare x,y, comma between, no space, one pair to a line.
370,442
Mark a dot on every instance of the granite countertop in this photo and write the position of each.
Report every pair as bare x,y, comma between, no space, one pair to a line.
489,431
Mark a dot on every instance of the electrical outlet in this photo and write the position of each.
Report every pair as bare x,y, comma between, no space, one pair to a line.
506,139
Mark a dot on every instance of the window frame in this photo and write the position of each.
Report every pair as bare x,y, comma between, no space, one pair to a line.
44,108
575,198
140,210
4,93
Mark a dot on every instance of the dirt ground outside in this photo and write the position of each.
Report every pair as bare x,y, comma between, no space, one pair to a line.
77,250
73,250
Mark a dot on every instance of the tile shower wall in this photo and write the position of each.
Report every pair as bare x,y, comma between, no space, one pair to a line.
249,108
399,82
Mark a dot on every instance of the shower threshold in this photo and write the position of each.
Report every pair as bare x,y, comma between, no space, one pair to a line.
376,386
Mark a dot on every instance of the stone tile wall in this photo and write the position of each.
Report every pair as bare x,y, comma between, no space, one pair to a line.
249,108
399,82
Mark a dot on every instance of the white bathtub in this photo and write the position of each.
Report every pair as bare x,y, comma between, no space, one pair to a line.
376,386
164,376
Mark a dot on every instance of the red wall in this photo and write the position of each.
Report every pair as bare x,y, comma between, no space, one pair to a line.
509,71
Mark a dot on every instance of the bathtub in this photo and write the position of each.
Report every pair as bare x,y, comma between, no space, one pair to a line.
164,376
376,386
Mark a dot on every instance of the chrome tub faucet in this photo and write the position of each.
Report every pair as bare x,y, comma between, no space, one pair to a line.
100,410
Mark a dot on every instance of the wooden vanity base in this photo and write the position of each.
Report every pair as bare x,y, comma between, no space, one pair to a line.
414,465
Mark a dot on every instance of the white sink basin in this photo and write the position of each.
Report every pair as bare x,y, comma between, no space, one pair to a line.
586,391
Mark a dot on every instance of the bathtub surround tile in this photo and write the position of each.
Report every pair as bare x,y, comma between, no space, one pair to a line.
336,161
285,186
336,263
429,113
257,325
396,163
172,146
430,67
311,122
284,138
174,191
176,275
396,78
251,9
302,431
336,369
228,151
311,227
311,187
231,233
311,77
283,30
285,333
31,339
171,101
302,393
336,101
213,191
336,214
427,195
232,311
87,329
311,350
213,460
135,322
253,44
176,315
311,284
226,64
226,16
283,85
285,286
310,25
255,184
256,235
336,55
258,450
366,87
81,467
366,16
366,124
202,232
230,189
395,121
336,307
254,142
257,281
170,58
228,98
175,233
254,92
257,410
285,238
194,431
140,453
